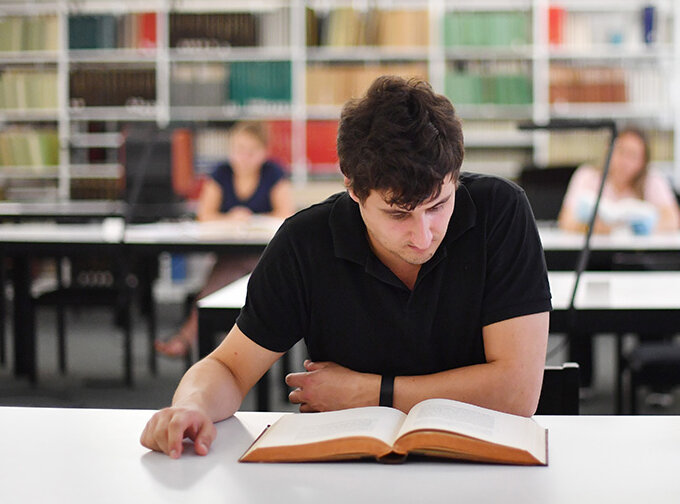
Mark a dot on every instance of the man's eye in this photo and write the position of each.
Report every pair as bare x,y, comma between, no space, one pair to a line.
399,216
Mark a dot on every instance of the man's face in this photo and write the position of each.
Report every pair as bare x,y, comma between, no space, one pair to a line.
401,237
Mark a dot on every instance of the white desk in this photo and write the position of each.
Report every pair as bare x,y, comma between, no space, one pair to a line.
617,302
257,231
110,237
617,290
554,238
78,456
612,290
53,233
635,300
84,209
661,250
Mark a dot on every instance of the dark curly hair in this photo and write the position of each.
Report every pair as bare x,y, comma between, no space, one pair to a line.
401,139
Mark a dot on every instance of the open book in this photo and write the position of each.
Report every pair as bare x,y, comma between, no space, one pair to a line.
434,427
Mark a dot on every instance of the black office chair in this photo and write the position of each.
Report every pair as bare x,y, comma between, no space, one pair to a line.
92,286
545,188
560,390
652,365
654,362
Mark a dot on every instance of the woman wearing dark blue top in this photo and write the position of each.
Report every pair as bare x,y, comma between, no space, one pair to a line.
247,184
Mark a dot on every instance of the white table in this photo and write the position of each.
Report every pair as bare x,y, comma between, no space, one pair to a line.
112,238
554,238
78,456
612,290
619,302
617,290
83,209
563,248
257,231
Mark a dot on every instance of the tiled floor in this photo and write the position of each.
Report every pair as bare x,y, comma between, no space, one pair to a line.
94,377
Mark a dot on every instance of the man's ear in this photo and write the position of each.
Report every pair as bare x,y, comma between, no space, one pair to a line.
349,190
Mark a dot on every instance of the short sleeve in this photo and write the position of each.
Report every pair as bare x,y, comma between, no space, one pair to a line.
658,191
273,173
274,312
584,181
517,280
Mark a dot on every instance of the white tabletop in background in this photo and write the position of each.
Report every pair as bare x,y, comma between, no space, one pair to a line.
625,290
82,456
554,238
597,290
50,232
231,296
62,208
256,231
260,230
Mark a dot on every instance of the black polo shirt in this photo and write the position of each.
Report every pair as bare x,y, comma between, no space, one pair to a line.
319,280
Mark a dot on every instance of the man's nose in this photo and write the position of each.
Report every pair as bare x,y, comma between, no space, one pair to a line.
421,232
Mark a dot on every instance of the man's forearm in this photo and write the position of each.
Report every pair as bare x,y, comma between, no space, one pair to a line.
491,385
209,386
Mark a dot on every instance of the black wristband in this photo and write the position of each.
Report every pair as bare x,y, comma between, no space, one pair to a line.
387,391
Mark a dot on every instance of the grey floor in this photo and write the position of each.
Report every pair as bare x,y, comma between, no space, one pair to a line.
95,368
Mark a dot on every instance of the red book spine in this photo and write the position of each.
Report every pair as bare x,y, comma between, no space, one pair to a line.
147,30
322,154
183,181
279,142
555,25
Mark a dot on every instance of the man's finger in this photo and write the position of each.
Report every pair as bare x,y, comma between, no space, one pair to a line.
306,408
206,435
295,379
295,396
176,433
313,366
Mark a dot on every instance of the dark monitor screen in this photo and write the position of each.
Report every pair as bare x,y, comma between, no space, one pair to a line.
147,157
545,188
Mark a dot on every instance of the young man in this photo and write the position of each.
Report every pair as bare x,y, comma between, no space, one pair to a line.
417,282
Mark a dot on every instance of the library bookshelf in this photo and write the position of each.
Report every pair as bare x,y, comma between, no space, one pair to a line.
75,74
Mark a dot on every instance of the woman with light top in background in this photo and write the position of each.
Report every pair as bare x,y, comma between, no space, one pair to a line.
633,195
247,184
634,198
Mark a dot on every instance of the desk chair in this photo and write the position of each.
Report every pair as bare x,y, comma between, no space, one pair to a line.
560,390
81,294
545,188
654,362
654,365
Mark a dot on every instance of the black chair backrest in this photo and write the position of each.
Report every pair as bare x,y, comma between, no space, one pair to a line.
149,192
545,188
560,390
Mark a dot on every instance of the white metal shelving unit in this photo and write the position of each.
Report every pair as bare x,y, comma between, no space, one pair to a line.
538,55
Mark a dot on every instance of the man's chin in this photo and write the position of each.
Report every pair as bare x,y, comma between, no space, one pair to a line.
417,258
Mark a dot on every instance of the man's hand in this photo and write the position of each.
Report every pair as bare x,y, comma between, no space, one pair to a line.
327,386
168,427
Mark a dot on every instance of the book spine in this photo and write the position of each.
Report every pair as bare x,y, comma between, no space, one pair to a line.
556,16
147,30
321,146
183,162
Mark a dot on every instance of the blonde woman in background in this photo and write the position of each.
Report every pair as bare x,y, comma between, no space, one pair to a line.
245,185
633,194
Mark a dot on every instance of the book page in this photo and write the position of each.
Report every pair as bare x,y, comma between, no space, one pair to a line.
304,428
476,422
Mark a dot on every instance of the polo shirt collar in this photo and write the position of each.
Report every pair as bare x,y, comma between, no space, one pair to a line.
349,231
464,215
